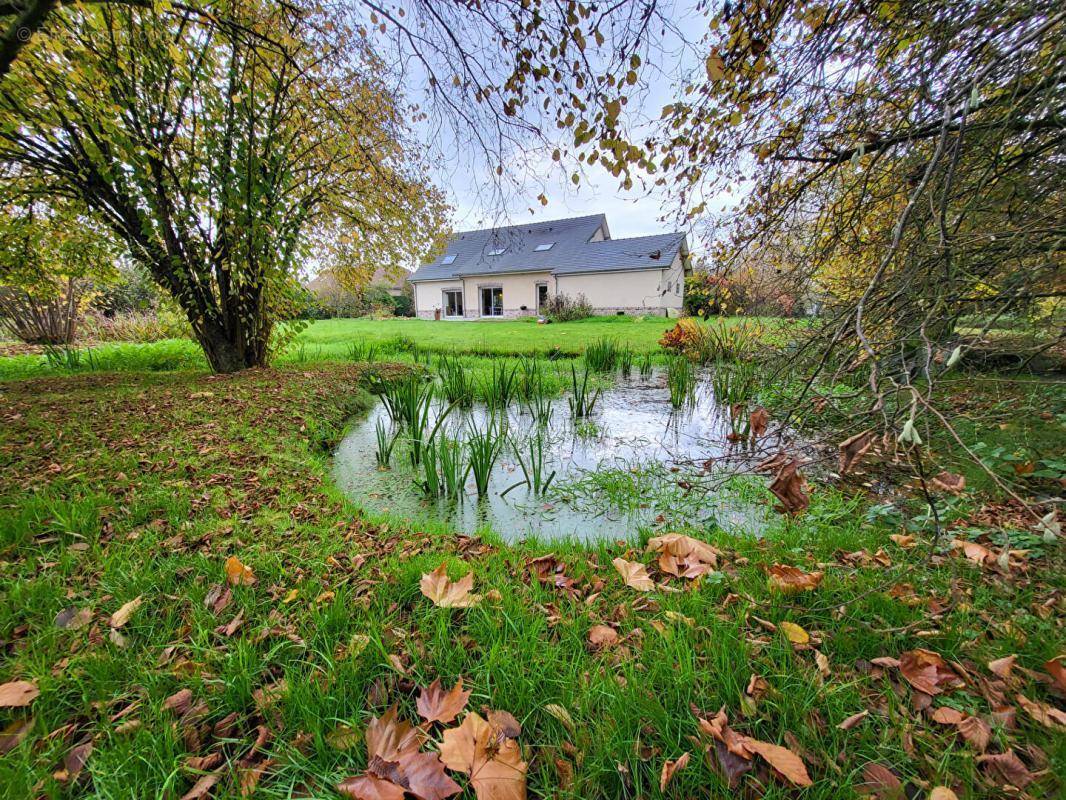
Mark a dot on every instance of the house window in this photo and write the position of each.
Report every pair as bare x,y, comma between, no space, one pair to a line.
542,297
540,248
499,251
448,260
453,302
491,301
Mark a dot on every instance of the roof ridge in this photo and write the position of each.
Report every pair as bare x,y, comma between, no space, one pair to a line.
635,238
532,223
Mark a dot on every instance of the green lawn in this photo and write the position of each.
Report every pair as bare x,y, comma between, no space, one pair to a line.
139,485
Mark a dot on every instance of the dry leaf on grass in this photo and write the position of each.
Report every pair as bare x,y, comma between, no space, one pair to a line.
790,488
238,574
1056,668
794,633
444,592
757,422
853,720
671,768
17,694
602,637
122,616
927,672
492,760
13,734
882,782
1002,666
949,482
787,763
784,761
1006,768
73,619
1046,715
634,574
683,556
436,705
790,580
942,793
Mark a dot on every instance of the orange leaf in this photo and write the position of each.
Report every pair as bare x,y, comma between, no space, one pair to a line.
790,580
447,593
670,768
602,636
389,738
18,694
1048,716
790,487
1002,666
683,556
122,616
926,671
782,760
493,761
634,574
436,705
237,574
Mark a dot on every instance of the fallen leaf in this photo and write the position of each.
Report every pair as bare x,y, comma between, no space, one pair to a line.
853,720
202,788
904,540
949,482
237,574
436,705
853,449
975,731
1002,666
1046,715
794,632
505,723
17,694
783,760
1056,668
881,781
74,762
602,636
790,488
977,553
13,734
634,574
122,616
733,766
447,593
683,556
1008,768
790,580
670,768
390,738
942,793
927,672
493,762
73,619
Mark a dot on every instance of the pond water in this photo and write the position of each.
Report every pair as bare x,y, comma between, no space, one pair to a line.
635,462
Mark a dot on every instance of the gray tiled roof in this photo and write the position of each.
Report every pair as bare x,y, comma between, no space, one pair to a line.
571,253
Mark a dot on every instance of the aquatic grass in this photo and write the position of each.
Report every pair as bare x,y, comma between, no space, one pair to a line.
582,400
625,361
540,408
680,380
483,448
386,441
500,385
363,351
452,463
455,381
602,355
534,465
531,384
646,365
734,383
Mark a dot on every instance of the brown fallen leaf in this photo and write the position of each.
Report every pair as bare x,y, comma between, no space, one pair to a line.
790,488
783,760
977,553
1056,668
14,733
949,482
975,731
853,449
238,574
201,790
927,672
1007,768
757,422
683,556
881,781
942,793
634,574
853,720
446,593
602,637
17,694
791,580
1002,666
493,762
74,762
122,616
1046,715
436,705
671,768
73,619
904,540
505,723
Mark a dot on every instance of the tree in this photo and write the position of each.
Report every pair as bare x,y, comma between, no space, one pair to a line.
50,255
223,150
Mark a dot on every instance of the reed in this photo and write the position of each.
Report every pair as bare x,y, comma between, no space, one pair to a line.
582,399
500,385
645,365
386,442
531,381
625,361
363,351
455,381
534,465
483,448
540,408
602,355
680,380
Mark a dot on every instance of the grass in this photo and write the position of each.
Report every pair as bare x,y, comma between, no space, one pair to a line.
140,484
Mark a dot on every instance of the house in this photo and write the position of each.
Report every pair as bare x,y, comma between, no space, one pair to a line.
513,271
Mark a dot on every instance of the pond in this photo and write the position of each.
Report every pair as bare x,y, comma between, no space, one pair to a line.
634,462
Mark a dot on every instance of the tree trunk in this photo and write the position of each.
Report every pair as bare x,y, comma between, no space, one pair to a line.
226,353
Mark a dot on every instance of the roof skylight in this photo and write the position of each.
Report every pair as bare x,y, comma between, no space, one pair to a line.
540,248
448,260
499,251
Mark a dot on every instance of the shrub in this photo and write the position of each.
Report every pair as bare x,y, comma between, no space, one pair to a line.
39,316
688,337
150,326
708,295
563,308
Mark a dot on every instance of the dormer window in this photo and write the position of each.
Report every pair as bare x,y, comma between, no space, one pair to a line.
540,248
448,260
497,252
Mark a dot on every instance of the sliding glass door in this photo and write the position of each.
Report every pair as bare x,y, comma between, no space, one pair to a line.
453,302
491,301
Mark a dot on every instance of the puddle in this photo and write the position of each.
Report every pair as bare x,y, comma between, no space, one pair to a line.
636,462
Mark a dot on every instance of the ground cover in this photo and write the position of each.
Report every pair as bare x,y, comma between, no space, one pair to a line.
125,495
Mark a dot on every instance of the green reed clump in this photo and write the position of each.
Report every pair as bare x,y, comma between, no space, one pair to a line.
734,384
602,355
531,379
534,464
582,399
625,361
483,448
386,440
540,408
501,384
645,365
680,380
455,381
363,351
